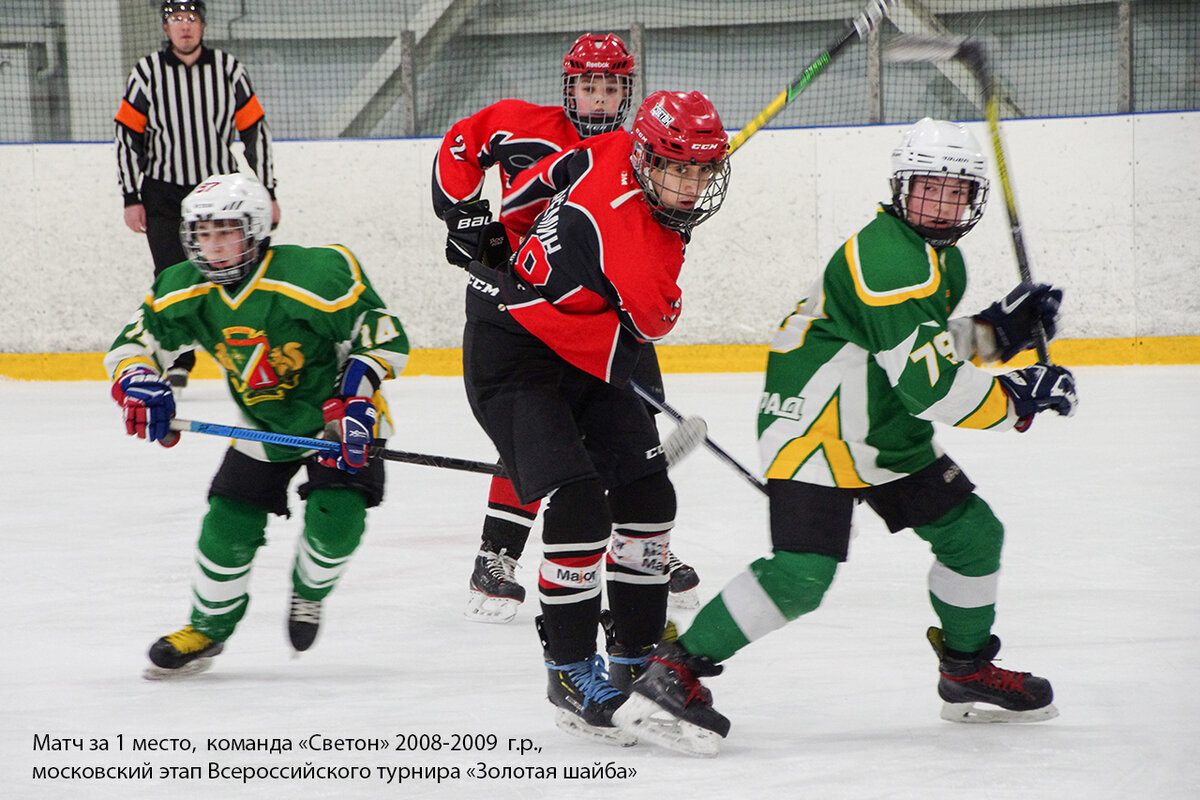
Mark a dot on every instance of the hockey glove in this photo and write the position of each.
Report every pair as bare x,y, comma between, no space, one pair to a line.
465,223
1014,318
350,420
148,404
1038,388
494,249
687,436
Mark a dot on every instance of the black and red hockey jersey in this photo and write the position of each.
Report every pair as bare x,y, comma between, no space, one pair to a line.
511,134
595,278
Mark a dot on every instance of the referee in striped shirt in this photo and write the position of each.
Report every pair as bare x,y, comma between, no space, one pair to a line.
175,127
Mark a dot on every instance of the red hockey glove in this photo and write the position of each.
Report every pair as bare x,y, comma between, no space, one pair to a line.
148,405
350,420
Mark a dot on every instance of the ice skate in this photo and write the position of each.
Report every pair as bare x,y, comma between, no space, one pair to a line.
682,583
586,701
304,620
177,379
625,663
669,706
176,655
967,679
495,593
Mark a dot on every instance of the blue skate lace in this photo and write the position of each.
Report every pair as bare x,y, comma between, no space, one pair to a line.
590,677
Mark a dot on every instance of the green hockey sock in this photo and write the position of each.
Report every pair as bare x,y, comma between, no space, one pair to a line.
963,580
766,596
230,535
334,522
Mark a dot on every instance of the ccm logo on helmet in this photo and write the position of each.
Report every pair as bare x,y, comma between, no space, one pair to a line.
705,146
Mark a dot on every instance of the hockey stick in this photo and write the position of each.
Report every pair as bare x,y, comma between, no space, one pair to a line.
858,29
973,56
709,443
307,443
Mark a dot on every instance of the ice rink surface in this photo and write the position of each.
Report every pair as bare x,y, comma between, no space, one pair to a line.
1099,592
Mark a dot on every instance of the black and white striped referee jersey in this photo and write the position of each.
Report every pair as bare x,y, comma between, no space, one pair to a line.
176,123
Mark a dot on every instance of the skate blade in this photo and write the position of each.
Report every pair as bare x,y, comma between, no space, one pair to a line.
688,600
494,610
649,721
157,673
568,722
972,713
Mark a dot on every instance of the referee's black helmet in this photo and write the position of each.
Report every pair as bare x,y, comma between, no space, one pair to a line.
170,7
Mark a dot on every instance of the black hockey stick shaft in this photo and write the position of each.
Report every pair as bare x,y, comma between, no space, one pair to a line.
662,406
309,443
1010,205
857,29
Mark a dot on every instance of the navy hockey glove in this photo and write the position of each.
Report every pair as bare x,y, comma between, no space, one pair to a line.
1014,318
350,420
148,404
494,249
465,223
1039,388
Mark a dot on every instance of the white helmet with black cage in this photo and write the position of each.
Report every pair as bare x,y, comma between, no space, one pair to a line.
221,203
936,149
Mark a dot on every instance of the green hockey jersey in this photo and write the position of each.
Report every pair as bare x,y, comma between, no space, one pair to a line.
281,336
858,373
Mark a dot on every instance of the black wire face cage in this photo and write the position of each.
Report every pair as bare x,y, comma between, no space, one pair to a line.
244,261
969,212
594,124
665,193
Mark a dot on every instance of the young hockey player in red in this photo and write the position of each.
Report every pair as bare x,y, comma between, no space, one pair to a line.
551,342
512,135
855,379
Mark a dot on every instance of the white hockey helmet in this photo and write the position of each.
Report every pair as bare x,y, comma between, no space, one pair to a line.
227,197
936,148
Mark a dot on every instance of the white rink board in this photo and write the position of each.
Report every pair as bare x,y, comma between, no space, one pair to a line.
1107,205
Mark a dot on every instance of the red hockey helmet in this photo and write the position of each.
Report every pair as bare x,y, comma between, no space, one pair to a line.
587,68
679,157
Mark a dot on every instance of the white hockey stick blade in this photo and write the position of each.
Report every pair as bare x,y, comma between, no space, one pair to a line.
974,713
157,673
689,434
641,716
687,600
572,724
493,610
916,48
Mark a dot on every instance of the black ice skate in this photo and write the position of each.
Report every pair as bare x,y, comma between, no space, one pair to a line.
177,379
586,701
185,652
682,583
304,620
495,593
625,663
670,707
970,678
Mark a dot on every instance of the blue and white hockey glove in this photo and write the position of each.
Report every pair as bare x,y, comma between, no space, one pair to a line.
1038,388
148,404
350,420
465,224
1014,318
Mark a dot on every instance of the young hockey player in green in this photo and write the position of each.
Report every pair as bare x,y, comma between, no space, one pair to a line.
854,380
305,342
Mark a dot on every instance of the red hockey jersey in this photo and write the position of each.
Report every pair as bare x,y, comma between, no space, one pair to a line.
511,134
595,278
